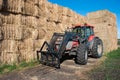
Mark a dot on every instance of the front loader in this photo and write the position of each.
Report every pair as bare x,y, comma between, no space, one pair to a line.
78,41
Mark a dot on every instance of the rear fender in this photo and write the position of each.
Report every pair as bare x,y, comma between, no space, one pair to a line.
91,41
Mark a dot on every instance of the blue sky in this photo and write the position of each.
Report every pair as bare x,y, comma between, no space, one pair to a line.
85,6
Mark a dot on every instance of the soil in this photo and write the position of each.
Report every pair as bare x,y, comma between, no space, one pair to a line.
69,71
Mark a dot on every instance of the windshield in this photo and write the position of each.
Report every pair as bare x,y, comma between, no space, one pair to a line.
83,31
79,31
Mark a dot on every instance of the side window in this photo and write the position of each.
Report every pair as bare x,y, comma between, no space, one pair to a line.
92,31
88,32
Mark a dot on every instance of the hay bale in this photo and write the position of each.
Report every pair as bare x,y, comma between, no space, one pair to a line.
38,44
101,13
105,22
29,21
8,18
70,13
53,13
1,35
43,9
9,58
65,10
41,22
26,50
30,9
30,33
12,32
27,33
35,34
36,2
62,19
9,46
13,5
61,27
1,2
41,33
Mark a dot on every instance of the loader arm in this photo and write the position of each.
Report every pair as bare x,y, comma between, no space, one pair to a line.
52,56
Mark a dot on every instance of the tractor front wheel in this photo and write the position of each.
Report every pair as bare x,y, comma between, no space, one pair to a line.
82,55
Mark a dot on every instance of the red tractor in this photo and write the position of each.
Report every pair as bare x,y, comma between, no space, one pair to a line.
79,41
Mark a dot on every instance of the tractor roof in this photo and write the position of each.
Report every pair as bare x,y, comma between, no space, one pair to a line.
85,25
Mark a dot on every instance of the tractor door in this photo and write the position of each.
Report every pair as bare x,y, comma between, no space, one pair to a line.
89,33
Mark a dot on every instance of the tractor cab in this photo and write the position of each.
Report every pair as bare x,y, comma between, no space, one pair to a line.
85,31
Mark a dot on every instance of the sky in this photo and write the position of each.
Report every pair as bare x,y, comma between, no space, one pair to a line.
85,6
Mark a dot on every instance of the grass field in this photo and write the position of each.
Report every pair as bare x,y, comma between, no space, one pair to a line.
9,68
109,69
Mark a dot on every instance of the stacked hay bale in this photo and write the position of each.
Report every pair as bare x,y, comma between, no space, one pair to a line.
10,30
26,24
105,28
57,18
18,21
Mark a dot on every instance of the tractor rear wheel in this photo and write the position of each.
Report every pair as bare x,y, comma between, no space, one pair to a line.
97,49
82,55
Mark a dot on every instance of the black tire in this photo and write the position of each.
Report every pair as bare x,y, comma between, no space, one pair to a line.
82,55
97,49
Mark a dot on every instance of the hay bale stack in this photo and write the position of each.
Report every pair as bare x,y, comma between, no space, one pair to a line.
26,24
105,28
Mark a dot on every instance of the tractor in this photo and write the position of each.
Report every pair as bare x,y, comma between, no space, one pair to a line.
78,41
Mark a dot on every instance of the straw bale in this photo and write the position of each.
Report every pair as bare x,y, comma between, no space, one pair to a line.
11,32
41,33
29,21
1,35
8,18
30,33
30,9
35,34
12,5
9,58
38,43
27,33
53,13
36,2
26,49
105,25
1,2
9,46
41,22
62,19
101,13
43,10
